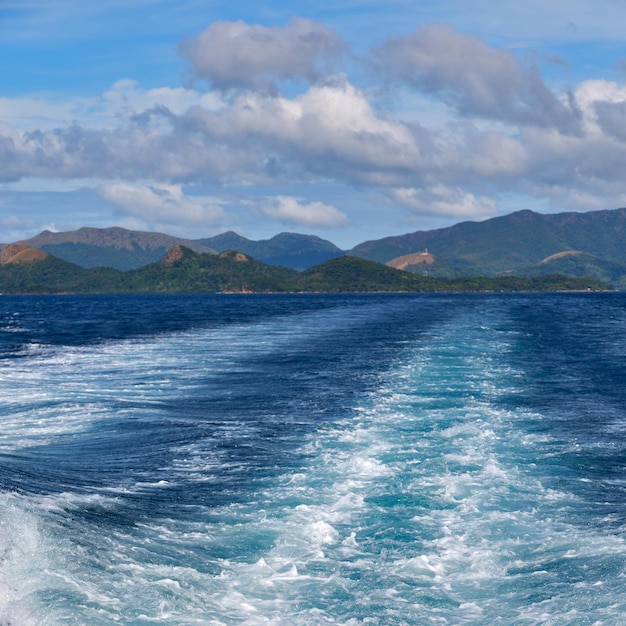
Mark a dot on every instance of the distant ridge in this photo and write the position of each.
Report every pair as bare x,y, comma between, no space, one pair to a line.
524,243
114,247
292,250
511,241
125,249
114,237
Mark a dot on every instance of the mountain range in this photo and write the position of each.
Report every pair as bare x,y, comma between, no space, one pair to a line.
115,247
292,250
28,270
524,243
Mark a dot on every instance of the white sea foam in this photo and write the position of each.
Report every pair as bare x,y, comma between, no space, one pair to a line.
424,507
23,556
479,515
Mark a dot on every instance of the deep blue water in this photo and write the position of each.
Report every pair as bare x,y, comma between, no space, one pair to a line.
313,460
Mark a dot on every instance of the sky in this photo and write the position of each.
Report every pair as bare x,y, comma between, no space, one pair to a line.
351,120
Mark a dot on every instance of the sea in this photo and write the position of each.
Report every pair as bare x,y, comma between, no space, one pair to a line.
305,460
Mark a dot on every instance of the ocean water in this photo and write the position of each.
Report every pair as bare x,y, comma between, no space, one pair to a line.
313,460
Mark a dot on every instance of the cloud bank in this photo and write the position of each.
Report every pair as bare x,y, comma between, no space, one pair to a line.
506,130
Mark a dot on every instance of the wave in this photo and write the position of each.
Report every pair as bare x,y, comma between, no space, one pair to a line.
358,465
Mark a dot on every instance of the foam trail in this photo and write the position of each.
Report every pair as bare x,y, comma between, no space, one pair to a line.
22,559
427,509
424,498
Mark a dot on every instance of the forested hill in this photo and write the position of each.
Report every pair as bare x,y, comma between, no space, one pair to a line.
25,270
524,243
516,240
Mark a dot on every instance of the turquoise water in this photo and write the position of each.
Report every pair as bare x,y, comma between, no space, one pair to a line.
313,460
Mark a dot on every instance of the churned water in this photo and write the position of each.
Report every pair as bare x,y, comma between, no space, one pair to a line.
313,460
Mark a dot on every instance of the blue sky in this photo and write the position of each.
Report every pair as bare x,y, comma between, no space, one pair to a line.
350,119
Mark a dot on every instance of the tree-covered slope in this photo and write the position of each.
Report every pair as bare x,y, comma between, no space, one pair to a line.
185,271
583,264
351,274
511,243
53,275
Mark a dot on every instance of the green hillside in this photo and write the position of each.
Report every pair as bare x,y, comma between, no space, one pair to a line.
520,244
53,275
513,243
583,264
185,271
350,274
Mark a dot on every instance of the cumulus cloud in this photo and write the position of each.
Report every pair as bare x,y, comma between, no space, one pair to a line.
604,106
240,55
164,204
486,156
151,146
333,131
441,200
294,211
474,78
330,131
612,118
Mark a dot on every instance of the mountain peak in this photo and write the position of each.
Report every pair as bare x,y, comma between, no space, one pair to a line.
20,253
175,255
287,249
114,237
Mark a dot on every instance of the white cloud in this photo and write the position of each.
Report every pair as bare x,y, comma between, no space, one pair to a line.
162,204
486,155
236,54
442,200
604,106
293,211
330,131
39,111
126,98
123,100
474,78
